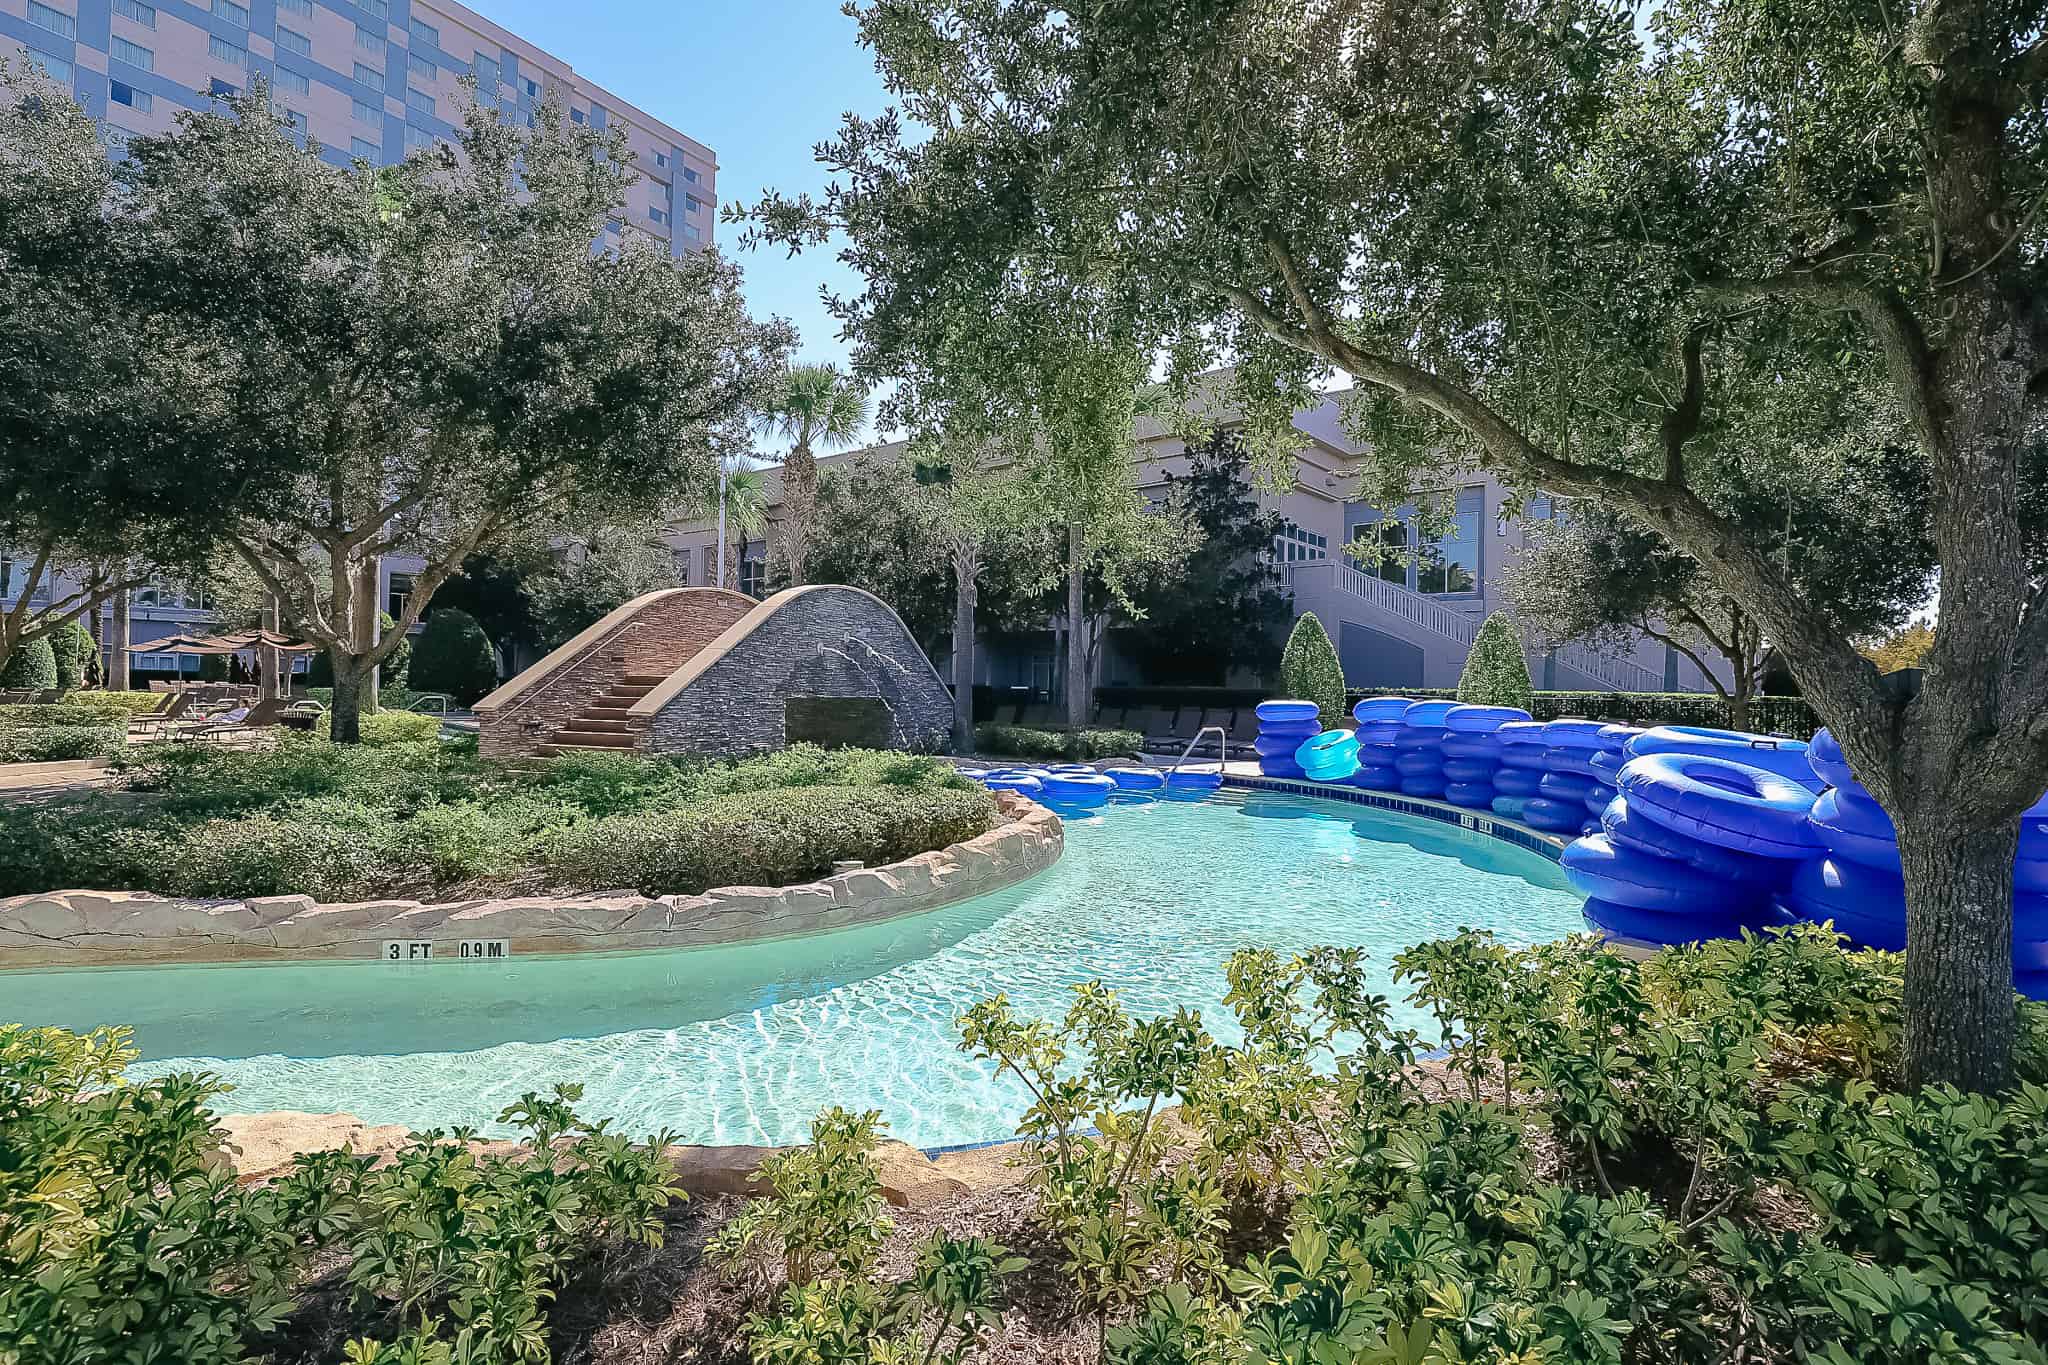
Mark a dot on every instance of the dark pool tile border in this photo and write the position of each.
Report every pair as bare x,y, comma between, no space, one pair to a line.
1492,826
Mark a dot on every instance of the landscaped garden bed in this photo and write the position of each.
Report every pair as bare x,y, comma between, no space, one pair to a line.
78,725
1703,1157
427,820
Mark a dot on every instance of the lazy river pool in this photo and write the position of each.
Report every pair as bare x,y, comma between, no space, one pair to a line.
747,1043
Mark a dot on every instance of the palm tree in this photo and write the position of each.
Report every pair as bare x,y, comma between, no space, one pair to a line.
742,497
817,406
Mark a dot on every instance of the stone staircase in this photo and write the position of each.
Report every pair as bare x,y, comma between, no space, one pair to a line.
605,725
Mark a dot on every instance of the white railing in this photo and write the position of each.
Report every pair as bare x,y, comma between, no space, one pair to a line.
1620,674
1396,600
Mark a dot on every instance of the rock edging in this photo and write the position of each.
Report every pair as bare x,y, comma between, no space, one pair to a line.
123,928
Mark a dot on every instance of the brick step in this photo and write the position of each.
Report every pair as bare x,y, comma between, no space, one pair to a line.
646,682
604,710
592,739
588,723
556,749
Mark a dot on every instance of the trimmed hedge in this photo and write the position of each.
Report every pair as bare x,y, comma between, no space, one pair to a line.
33,665
1082,746
1496,674
1793,716
71,648
59,743
391,727
771,838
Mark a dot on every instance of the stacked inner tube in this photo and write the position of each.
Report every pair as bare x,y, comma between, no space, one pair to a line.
1517,780
1857,883
1606,763
1419,750
1568,777
1693,846
1380,726
1472,753
1331,756
1283,727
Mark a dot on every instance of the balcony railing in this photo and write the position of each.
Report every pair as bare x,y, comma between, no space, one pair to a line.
1393,599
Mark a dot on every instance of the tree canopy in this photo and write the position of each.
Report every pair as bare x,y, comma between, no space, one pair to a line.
1651,254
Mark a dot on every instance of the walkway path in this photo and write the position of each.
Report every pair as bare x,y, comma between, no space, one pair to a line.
31,781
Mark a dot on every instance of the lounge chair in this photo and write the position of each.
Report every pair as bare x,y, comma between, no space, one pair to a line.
176,707
1041,717
264,716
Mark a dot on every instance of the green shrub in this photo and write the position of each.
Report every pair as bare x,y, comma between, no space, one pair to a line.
1080,746
56,743
392,727
765,838
1495,673
82,708
453,656
73,651
32,665
1792,716
1310,670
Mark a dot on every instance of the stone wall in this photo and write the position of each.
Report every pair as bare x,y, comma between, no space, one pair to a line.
819,641
105,928
653,636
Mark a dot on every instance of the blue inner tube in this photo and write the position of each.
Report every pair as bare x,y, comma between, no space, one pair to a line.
1484,747
1064,785
1785,757
1420,738
1856,828
1476,795
1825,757
1190,779
1527,757
1481,720
1022,784
1566,786
1626,829
1416,763
1381,732
1517,781
1278,765
1469,770
1510,806
1596,866
1598,799
1615,738
1379,777
1286,709
1522,732
1269,745
1651,926
1606,763
1727,804
1428,714
1573,734
1381,708
1865,904
1547,813
1565,759
1423,784
1136,779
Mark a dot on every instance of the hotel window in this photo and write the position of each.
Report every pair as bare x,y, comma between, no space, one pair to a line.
416,65
661,158
221,50
135,12
396,589
657,215
1296,546
486,71
369,40
376,7
291,40
370,76
417,138
753,568
367,113
710,565
120,92
56,68
689,175
682,562
137,56
55,20
575,116
419,100
690,231
302,8
294,81
220,89
1449,563
423,34
362,149
228,10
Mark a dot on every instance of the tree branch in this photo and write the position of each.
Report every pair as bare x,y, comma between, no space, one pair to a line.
1683,421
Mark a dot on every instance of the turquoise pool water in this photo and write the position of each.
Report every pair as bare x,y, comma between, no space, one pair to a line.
745,1044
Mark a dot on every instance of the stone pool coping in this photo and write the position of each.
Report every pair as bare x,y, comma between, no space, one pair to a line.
135,928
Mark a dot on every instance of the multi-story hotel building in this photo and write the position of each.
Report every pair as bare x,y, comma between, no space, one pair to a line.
367,81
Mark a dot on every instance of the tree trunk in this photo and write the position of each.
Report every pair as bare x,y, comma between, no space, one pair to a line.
118,631
799,510
1959,1013
370,626
1740,690
344,717
965,565
1077,623
355,679
271,661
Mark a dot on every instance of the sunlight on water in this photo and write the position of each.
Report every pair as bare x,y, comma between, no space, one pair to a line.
745,1044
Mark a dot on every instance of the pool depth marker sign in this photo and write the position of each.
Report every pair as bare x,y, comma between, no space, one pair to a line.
422,950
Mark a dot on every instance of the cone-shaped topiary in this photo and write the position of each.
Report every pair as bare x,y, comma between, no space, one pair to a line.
1309,669
72,646
33,665
454,656
1495,673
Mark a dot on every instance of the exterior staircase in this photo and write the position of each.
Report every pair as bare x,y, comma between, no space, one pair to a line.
604,726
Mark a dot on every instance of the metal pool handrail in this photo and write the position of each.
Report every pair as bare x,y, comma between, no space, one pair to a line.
1222,748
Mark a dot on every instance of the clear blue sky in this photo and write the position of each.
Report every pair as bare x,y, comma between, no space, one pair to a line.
758,81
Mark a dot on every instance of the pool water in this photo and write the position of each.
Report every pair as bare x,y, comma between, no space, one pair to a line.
747,1043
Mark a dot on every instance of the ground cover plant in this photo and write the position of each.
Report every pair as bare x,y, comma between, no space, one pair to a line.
421,818
1701,1158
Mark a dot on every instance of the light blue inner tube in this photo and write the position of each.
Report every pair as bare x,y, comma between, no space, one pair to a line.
1428,714
1825,757
1517,781
1573,734
1785,757
1381,708
1331,756
1548,813
1286,709
1136,779
1481,720
1475,795
1597,867
1724,803
1626,829
1650,926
